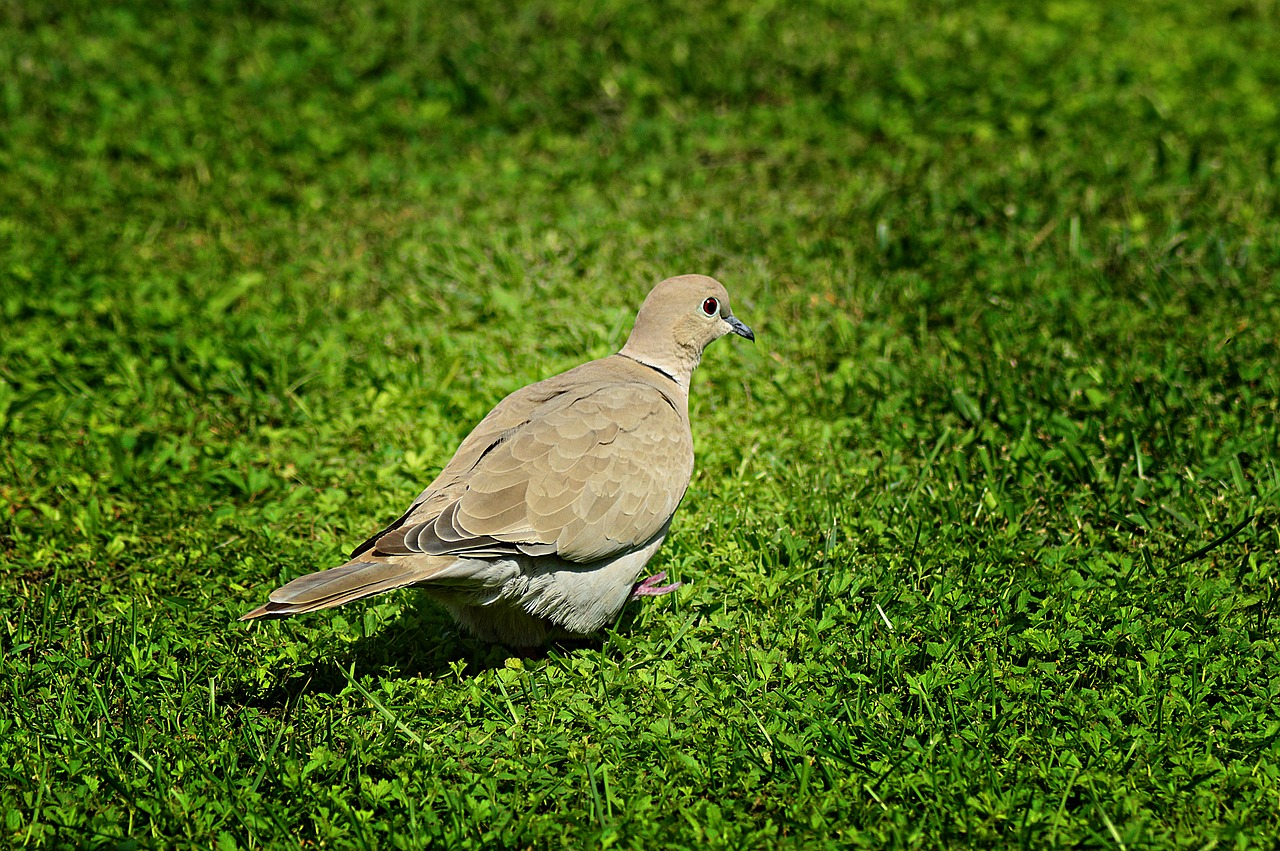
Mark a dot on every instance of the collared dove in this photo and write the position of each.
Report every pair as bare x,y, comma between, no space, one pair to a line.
542,522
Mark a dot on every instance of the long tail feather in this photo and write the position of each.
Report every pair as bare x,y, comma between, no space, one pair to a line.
338,585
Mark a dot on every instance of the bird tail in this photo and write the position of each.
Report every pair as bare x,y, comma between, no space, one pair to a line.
352,581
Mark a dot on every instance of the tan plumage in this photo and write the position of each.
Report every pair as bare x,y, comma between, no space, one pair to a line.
549,510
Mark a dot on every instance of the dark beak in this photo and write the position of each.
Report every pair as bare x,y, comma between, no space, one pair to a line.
741,329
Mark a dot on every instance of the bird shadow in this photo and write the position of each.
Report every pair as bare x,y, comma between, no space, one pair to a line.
421,642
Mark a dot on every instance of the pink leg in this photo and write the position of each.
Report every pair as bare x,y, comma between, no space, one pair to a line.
650,587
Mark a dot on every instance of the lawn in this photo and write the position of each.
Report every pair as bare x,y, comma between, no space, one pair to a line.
982,548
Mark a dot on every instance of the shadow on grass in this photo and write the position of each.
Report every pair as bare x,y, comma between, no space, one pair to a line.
421,642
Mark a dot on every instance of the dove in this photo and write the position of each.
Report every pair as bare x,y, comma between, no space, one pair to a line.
542,522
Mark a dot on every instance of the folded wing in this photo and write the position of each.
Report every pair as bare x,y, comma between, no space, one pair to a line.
591,474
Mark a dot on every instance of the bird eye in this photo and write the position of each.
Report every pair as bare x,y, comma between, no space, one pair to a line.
711,307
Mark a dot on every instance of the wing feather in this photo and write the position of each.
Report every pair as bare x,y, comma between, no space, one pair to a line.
588,475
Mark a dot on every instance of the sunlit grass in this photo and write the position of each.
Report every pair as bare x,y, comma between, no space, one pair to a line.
982,546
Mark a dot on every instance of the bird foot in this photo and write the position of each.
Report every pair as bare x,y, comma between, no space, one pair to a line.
650,587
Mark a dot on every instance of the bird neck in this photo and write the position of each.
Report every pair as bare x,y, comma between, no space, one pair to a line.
677,363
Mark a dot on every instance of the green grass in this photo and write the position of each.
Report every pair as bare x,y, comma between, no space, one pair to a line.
982,546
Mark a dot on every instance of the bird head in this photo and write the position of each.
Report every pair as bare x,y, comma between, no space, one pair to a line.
679,318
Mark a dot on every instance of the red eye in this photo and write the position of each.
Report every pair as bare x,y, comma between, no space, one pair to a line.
711,307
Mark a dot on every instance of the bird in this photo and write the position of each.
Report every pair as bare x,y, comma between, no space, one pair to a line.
540,525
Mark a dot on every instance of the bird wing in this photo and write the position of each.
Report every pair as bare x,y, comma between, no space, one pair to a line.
594,471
